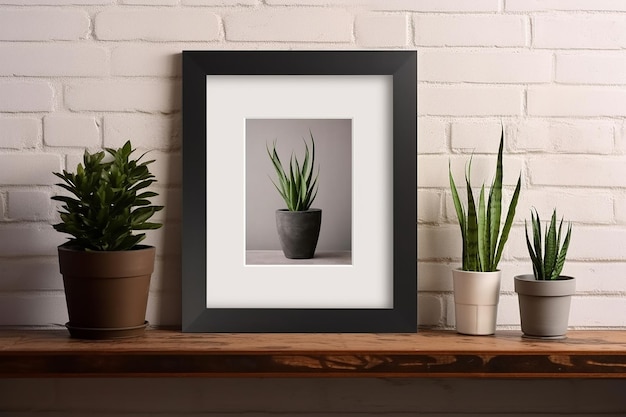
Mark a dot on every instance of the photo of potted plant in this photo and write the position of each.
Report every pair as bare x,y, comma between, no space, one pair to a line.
477,283
545,296
106,272
298,225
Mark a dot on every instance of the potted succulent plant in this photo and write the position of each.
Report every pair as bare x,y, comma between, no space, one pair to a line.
545,296
106,272
477,282
298,225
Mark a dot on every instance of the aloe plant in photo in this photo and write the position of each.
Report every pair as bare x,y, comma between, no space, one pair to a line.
297,186
482,237
299,225
548,256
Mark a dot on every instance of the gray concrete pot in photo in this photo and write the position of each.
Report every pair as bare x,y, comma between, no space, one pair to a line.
544,305
298,232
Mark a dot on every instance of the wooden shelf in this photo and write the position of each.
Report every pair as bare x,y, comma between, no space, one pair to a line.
52,353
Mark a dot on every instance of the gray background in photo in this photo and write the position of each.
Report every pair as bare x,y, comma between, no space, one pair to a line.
333,148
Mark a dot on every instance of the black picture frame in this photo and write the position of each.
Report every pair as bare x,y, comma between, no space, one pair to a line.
402,67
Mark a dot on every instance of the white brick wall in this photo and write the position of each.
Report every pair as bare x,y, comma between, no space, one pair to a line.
28,168
471,30
591,68
93,73
476,136
294,25
101,72
125,96
563,101
381,30
54,60
43,24
141,60
462,100
575,136
580,32
558,5
486,67
157,25
30,205
434,174
145,131
26,96
435,131
71,130
19,132
577,171
57,2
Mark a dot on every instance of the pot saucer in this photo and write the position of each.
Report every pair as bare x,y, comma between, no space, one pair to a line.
106,333
560,337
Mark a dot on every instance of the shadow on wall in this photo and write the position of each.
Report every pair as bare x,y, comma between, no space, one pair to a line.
165,308
31,286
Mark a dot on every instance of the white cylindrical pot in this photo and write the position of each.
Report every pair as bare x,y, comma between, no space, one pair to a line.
476,296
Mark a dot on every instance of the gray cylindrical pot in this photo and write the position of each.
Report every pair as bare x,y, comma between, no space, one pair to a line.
544,305
298,232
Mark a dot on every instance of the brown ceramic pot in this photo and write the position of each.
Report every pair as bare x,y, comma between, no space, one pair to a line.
106,291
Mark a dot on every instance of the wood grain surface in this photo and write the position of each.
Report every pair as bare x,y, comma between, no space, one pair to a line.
589,354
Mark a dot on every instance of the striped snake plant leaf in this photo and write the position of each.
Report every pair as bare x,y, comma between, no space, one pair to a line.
460,214
483,240
495,201
550,265
483,231
560,260
536,222
533,257
473,261
551,247
510,216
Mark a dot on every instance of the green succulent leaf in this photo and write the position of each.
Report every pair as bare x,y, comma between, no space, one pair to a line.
105,206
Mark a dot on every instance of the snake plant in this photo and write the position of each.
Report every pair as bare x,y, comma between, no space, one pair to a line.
109,201
298,186
483,241
547,261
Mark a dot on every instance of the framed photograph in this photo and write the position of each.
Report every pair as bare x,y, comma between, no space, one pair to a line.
299,191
